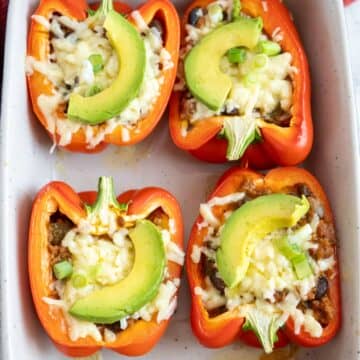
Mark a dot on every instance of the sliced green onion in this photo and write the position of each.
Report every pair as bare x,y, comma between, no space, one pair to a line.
235,13
91,12
260,61
94,271
79,281
250,79
215,11
267,47
97,62
236,55
290,251
301,266
62,269
93,90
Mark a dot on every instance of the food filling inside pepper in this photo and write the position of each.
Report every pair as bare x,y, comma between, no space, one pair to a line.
268,257
104,71
111,269
229,66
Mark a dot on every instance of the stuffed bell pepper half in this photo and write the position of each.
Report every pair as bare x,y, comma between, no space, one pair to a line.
243,89
105,271
101,76
262,262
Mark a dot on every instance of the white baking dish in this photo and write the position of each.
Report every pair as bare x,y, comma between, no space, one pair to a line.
26,165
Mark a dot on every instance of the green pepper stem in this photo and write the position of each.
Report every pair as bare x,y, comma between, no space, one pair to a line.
106,198
240,133
265,327
105,7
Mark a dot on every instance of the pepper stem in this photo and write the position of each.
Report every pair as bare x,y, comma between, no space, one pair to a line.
240,133
106,198
105,7
265,327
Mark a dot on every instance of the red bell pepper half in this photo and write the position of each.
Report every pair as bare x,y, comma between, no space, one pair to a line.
57,197
220,328
279,145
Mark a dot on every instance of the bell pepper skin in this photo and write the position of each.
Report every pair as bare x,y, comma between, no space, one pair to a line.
225,328
286,146
38,47
138,338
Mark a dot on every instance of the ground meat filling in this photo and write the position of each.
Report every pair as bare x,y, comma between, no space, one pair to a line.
59,226
159,218
318,299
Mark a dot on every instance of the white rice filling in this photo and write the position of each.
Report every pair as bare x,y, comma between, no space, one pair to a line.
72,72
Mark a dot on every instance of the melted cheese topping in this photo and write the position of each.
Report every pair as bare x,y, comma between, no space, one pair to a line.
269,272
105,262
271,90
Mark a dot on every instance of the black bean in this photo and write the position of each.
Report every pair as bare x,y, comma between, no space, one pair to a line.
321,287
225,15
211,271
234,111
195,15
303,189
56,13
279,117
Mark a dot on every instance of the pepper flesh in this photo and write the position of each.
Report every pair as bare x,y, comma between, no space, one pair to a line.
141,336
285,146
38,47
223,329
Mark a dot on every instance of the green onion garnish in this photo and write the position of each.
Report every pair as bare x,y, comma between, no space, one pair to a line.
250,79
62,269
91,12
260,61
79,281
236,55
93,90
267,47
97,62
235,13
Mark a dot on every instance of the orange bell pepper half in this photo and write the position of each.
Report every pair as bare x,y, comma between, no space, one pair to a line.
141,336
220,330
285,146
38,47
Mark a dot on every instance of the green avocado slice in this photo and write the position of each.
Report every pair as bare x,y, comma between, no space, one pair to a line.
112,303
203,75
250,223
130,49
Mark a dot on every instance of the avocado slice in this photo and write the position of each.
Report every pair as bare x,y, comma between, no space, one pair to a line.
250,223
130,49
203,76
112,303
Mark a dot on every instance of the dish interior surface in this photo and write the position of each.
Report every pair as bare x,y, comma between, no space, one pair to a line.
27,165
